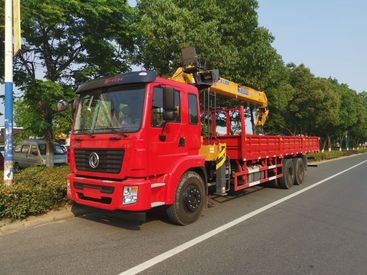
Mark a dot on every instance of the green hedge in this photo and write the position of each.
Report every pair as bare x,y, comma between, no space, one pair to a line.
334,154
35,191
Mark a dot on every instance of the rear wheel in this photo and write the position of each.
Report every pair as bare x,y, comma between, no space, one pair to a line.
288,178
300,171
189,200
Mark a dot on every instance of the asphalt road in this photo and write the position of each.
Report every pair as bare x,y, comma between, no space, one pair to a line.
321,231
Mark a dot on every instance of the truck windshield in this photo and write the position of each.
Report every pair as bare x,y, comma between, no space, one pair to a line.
110,110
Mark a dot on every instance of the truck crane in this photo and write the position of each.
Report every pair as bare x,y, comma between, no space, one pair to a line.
136,144
196,75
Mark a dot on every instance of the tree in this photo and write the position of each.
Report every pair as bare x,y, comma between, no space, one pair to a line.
358,132
41,95
72,41
225,34
302,104
67,42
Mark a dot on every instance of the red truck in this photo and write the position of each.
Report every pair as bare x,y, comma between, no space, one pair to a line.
137,143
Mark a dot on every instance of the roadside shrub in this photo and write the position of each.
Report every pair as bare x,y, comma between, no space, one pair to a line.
334,154
35,191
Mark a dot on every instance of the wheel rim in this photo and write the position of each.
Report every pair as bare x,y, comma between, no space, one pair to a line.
192,198
290,173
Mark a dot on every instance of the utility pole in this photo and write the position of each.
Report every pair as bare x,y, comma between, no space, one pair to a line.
8,152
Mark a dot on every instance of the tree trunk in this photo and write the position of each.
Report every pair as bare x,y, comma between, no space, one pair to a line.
49,150
329,143
323,145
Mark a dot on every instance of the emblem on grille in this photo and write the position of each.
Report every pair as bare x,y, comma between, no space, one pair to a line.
93,160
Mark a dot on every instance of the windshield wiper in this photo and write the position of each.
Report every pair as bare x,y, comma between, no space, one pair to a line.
115,131
90,133
87,132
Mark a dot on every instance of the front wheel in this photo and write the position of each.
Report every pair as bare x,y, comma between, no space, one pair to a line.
189,200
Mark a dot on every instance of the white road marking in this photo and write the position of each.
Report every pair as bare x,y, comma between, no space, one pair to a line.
172,252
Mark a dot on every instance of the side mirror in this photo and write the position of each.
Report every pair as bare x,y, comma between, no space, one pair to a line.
168,104
168,99
62,105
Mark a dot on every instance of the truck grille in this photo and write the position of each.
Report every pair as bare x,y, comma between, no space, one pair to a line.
100,188
110,161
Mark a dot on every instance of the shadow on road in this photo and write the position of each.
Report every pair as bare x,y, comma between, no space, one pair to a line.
121,219
134,220
232,195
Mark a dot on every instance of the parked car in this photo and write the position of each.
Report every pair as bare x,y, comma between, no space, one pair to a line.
33,153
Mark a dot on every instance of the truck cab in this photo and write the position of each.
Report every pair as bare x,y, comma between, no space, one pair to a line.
133,138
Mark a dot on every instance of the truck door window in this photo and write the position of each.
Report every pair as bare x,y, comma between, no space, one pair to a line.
157,107
193,109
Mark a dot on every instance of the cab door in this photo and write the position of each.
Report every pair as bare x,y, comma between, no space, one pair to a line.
167,138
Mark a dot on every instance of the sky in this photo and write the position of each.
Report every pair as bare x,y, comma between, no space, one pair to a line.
328,36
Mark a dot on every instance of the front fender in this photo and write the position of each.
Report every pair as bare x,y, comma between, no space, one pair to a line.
178,170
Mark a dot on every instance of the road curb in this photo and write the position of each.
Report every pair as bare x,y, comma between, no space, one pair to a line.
343,157
7,226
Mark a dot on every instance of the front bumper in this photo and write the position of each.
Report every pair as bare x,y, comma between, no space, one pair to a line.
108,194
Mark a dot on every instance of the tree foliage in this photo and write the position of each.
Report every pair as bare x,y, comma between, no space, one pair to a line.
225,34
303,104
36,111
67,42
71,41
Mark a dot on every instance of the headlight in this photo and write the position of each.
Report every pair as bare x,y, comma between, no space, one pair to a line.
130,194
68,188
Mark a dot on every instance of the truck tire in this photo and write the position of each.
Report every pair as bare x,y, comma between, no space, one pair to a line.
299,166
189,200
287,180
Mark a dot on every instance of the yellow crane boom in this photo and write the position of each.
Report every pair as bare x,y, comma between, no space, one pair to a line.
226,88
